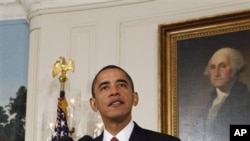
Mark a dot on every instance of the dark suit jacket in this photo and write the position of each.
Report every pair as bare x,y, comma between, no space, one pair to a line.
140,134
235,110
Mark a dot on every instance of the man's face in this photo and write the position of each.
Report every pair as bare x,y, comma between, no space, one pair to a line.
220,70
114,97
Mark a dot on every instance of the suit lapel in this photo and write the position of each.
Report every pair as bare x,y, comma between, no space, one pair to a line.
99,138
138,134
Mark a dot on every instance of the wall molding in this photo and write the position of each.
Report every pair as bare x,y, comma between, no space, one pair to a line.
27,9
57,6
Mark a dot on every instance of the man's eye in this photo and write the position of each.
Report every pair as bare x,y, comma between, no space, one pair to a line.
212,67
223,66
104,88
122,85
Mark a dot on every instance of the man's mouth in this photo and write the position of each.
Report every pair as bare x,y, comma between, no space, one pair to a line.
217,79
116,103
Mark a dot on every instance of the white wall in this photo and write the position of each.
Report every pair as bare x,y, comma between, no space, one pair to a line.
123,35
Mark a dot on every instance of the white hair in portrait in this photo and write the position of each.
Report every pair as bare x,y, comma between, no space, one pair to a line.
237,60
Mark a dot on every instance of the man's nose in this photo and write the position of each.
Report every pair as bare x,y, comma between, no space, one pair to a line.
217,71
114,91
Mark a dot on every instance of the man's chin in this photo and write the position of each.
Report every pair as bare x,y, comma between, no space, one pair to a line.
218,84
223,88
119,117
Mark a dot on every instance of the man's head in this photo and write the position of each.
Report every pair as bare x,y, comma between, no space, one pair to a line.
111,67
224,67
113,94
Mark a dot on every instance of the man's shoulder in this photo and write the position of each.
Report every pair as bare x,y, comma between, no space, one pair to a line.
142,134
98,138
160,136
153,135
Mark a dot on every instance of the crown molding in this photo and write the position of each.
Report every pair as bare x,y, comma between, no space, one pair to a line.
15,9
57,6
7,2
11,9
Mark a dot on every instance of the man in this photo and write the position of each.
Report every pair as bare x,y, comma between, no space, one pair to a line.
230,101
113,96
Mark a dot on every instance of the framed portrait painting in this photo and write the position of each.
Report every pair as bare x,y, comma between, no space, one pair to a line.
185,50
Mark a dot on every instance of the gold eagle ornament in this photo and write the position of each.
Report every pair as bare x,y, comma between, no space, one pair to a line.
62,66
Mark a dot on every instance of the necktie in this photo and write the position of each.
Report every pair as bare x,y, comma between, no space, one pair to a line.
114,139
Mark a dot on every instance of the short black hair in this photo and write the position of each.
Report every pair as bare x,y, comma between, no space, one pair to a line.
110,67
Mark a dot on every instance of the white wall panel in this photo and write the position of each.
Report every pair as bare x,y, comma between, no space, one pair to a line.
82,50
139,57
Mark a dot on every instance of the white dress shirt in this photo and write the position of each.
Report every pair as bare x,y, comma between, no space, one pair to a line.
123,135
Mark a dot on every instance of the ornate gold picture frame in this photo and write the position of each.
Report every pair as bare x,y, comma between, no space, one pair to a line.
184,50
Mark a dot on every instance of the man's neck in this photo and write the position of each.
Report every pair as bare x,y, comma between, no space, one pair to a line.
115,126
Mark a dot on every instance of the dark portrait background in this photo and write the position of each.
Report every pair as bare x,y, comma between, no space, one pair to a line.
193,87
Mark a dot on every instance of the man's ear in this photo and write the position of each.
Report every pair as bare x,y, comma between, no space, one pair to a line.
136,99
92,102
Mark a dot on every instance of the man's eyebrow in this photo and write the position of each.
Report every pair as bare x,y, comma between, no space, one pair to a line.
107,82
220,63
122,80
103,83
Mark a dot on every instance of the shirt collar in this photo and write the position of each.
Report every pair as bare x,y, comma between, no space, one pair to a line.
123,135
221,94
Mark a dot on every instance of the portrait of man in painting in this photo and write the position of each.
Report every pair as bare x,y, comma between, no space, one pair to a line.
213,85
